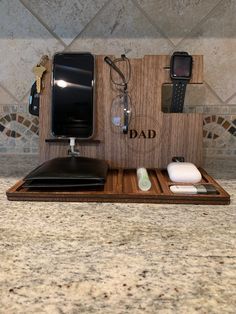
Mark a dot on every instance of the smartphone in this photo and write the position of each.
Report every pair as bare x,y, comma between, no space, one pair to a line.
73,85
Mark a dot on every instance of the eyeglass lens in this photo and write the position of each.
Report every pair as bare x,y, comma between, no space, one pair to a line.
118,110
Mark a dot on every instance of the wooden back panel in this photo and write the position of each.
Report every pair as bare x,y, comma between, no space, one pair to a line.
176,134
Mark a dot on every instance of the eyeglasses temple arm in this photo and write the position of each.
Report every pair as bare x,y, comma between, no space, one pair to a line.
112,64
126,114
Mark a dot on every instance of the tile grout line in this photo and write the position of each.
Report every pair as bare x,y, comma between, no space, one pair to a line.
203,20
42,23
213,91
65,46
24,96
87,25
159,30
105,5
9,93
226,102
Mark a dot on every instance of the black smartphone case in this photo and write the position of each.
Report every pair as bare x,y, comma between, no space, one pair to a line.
34,101
74,118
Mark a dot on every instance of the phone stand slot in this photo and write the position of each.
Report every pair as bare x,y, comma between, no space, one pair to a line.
66,140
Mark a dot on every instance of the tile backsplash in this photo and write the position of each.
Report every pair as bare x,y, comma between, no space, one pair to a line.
32,28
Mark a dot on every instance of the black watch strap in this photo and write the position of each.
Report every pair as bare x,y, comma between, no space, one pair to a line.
178,94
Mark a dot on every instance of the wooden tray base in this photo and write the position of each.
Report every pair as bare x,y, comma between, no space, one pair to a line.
121,186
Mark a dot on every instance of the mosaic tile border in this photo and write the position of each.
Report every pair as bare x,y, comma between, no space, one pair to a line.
31,125
219,135
19,132
227,125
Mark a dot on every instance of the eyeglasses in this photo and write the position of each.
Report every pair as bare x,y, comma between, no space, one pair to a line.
120,73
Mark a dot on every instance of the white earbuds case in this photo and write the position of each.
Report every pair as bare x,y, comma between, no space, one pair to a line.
183,172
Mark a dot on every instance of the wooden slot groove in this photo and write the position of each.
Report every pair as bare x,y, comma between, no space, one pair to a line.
162,181
119,187
156,188
158,182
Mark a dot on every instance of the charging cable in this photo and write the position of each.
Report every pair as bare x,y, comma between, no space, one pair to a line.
72,150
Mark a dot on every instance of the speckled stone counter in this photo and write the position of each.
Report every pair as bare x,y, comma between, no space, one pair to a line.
115,258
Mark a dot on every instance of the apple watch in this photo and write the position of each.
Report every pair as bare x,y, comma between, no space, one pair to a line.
180,73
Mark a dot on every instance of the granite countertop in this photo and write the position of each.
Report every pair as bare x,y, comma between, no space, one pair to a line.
115,258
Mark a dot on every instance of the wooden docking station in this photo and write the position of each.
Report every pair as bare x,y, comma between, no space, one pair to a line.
159,137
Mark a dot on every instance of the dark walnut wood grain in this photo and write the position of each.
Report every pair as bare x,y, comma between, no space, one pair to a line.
175,134
122,186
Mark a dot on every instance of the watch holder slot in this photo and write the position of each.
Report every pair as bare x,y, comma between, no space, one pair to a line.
194,98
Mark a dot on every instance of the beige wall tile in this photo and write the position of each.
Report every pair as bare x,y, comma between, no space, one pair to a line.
177,18
66,18
134,27
122,28
23,40
216,40
220,63
6,98
232,101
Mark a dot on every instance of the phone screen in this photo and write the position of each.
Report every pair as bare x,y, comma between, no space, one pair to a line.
72,95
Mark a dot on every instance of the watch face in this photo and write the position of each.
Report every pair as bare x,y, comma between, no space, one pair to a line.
181,66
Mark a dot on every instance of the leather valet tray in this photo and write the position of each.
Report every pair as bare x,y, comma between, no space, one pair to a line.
121,186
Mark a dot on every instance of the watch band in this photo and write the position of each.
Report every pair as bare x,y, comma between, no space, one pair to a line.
178,94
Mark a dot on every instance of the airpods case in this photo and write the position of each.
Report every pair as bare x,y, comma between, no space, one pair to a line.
183,172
